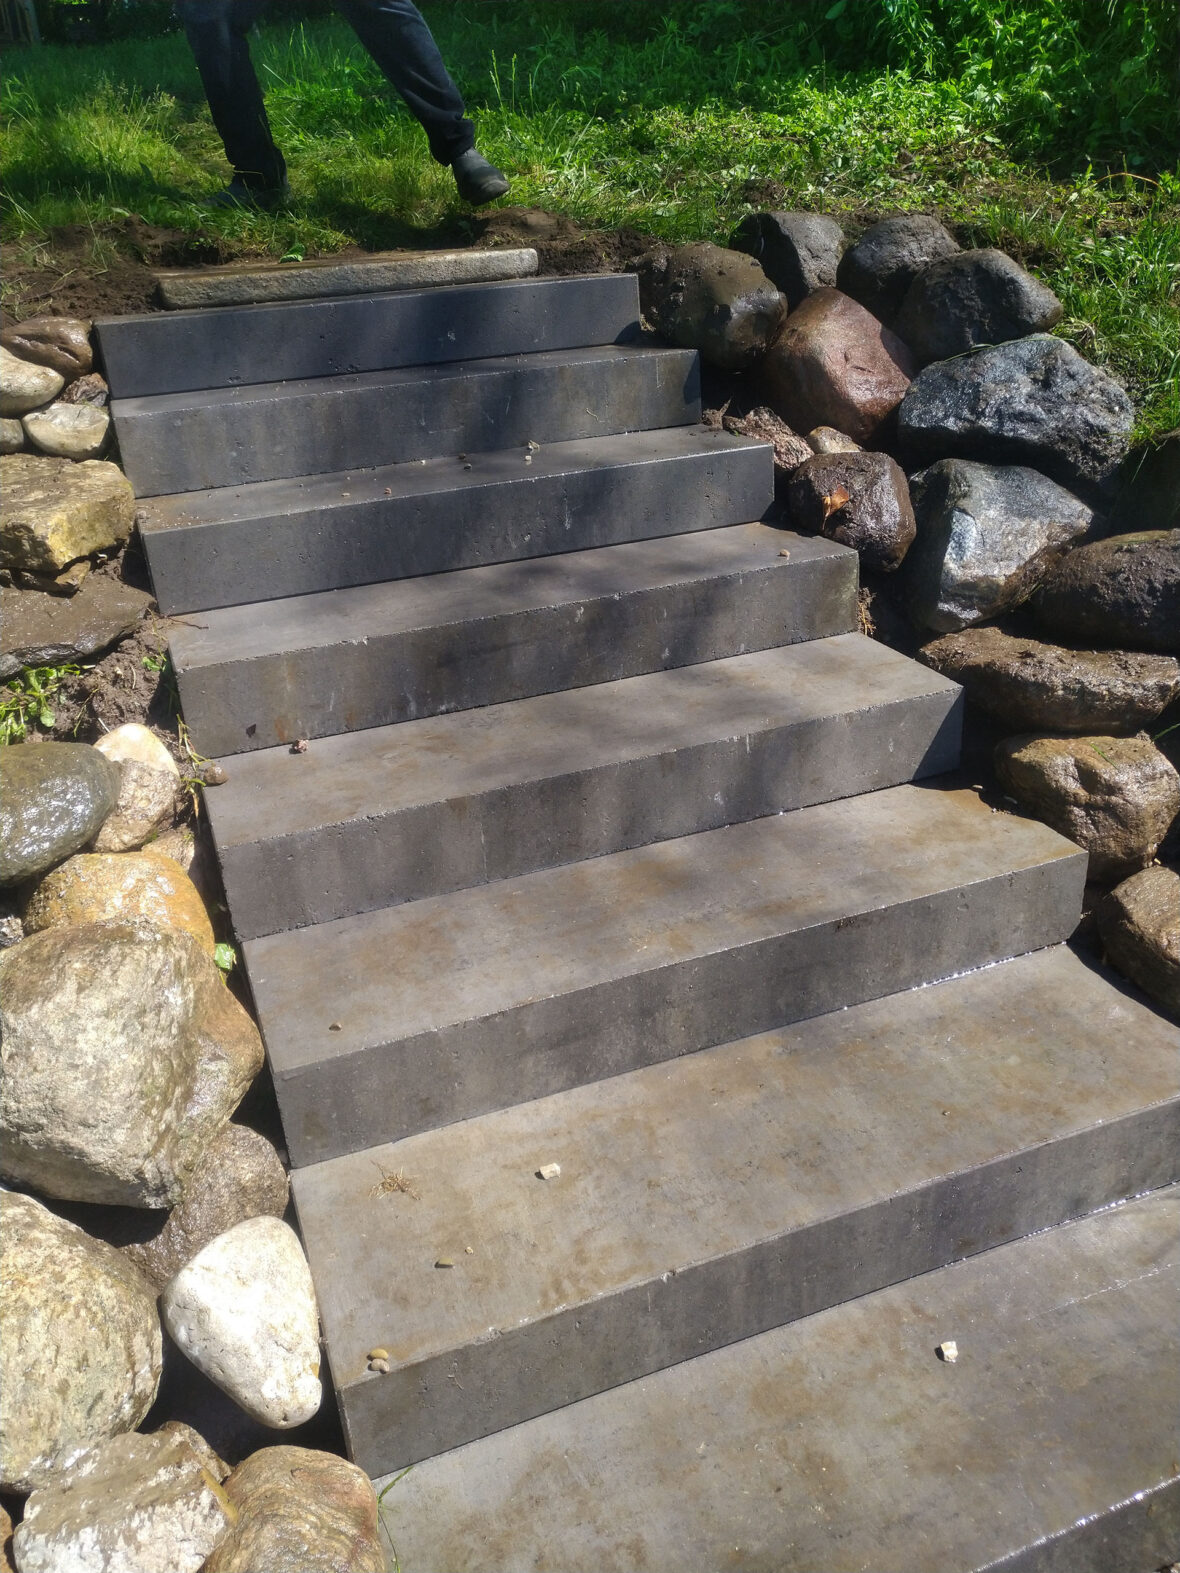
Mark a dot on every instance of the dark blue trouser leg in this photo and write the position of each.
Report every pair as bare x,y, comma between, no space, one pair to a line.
216,31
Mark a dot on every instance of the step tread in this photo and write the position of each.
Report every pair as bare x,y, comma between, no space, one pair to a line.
842,1443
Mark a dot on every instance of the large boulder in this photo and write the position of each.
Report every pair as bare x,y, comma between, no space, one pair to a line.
975,297
1121,591
716,301
986,533
835,365
135,1504
25,386
790,450
798,252
81,1351
1115,796
1032,687
69,431
888,257
53,511
124,1055
92,887
39,629
859,499
244,1312
54,798
300,1511
1139,922
62,343
1033,401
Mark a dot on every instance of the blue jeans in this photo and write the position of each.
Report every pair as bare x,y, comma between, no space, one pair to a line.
393,31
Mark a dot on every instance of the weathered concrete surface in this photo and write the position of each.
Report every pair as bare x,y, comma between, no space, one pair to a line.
179,442
396,813
732,1191
842,1443
254,676
397,1021
281,538
179,351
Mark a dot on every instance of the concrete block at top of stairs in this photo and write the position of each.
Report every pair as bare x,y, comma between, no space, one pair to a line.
263,542
732,1191
183,351
397,1021
241,282
182,442
841,1442
397,813
251,677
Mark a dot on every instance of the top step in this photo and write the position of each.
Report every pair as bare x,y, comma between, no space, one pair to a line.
228,346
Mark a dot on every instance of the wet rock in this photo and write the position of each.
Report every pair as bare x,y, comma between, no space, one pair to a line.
62,343
300,1511
81,1353
124,1056
25,386
54,799
136,1504
798,252
975,297
69,431
12,436
790,450
241,1176
244,1312
132,743
53,511
1121,591
1033,687
888,257
147,800
826,439
91,389
46,628
716,301
1114,796
12,930
94,887
986,534
1034,401
860,499
68,582
1139,922
1149,487
834,364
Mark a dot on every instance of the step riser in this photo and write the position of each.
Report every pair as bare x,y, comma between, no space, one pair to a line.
1141,1533
389,1090
192,442
399,1419
342,869
231,345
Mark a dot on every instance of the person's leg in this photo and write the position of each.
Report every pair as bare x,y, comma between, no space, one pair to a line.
216,31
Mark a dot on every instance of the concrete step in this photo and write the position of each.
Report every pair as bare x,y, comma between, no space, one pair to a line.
841,1443
729,1192
394,1022
182,351
394,814
183,442
276,539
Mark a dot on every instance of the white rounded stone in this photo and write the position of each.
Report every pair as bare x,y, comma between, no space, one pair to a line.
133,742
24,386
68,431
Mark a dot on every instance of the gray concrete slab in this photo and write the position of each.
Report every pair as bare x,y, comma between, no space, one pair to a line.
310,666
275,539
176,352
731,1191
396,813
397,1021
841,1443
180,442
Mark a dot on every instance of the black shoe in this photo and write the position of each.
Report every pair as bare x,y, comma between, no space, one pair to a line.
238,194
477,180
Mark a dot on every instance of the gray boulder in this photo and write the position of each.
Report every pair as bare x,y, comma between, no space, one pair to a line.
1139,922
716,301
859,499
888,257
798,252
82,1350
1033,401
124,1055
1122,591
986,534
976,297
54,798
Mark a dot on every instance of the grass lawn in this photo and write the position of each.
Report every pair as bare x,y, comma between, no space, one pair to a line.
1047,127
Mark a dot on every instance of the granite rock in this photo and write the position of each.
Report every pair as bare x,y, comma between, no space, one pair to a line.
859,499
1139,922
90,389
68,431
61,343
25,386
888,257
12,436
1149,486
798,252
716,301
147,801
133,743
826,439
1122,591
53,511
54,799
92,887
974,297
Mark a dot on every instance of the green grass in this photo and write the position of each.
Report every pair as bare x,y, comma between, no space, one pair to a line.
1049,128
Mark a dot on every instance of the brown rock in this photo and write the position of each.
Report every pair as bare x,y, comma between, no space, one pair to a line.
826,439
62,343
53,511
94,886
91,389
47,629
1037,687
859,499
762,424
716,301
1140,926
1123,591
835,365
147,800
1115,796
300,1511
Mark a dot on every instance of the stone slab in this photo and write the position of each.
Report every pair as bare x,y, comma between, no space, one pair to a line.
37,629
402,1020
842,1443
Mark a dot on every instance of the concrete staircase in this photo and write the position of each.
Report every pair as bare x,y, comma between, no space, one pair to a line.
614,847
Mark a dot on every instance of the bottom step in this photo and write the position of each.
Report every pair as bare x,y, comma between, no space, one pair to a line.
842,1442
